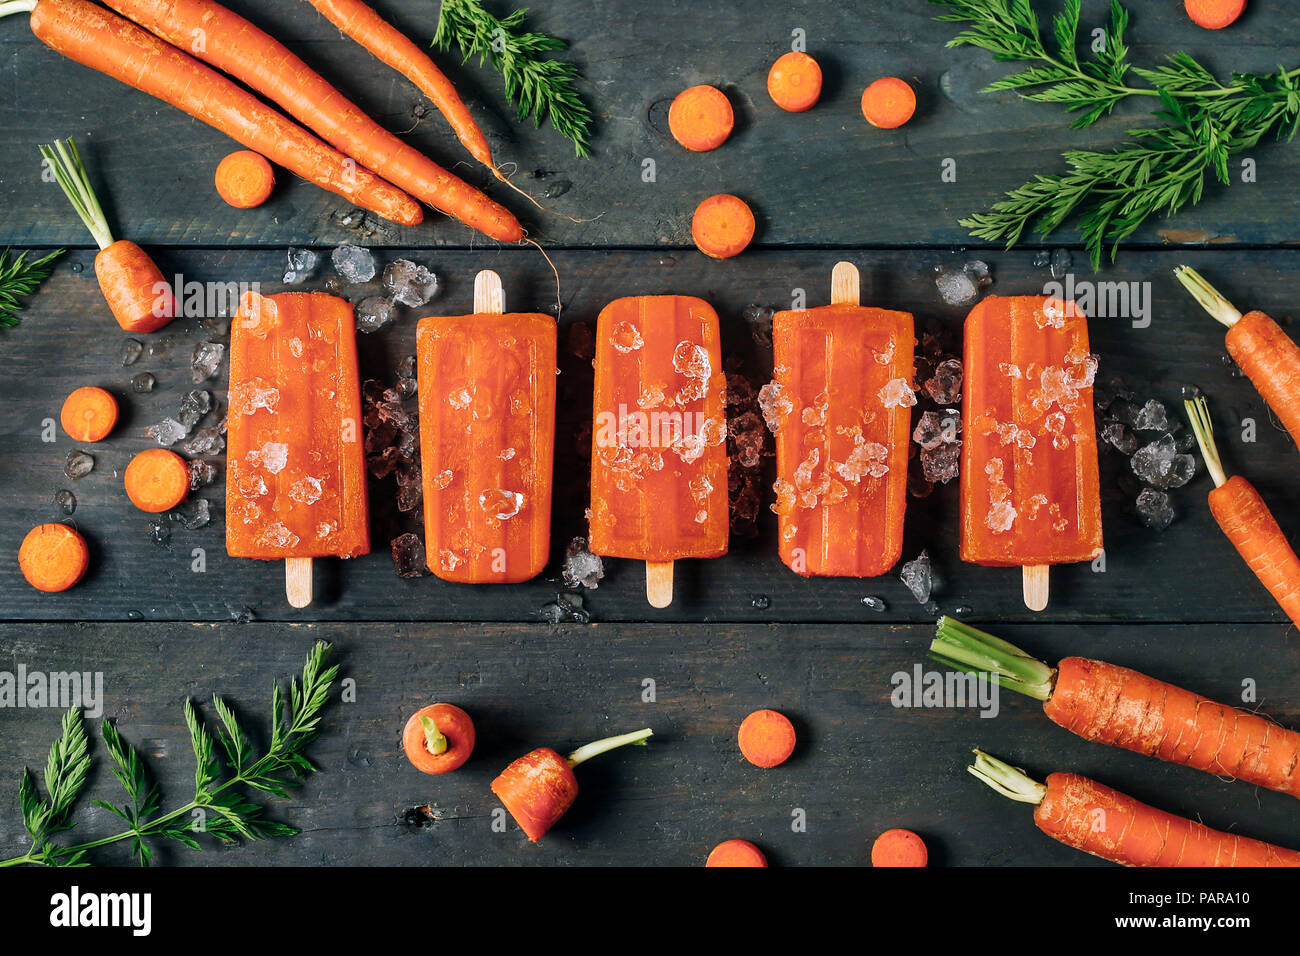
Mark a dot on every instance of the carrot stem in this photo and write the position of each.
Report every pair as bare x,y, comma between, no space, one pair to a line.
75,183
1198,410
974,651
1011,782
1208,296
434,739
637,738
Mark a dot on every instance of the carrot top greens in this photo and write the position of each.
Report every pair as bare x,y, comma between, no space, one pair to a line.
19,277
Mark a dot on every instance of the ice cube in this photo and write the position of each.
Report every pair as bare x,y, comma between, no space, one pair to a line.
979,270
941,463
1154,509
65,501
1042,259
929,430
747,436
1152,417
873,603
168,431
306,490
272,456
408,556
944,385
565,609
956,287
159,532
206,360
897,392
1060,262
302,263
192,514
692,361
202,473
918,575
143,383
1161,465
1001,516
373,313
581,567
276,535
409,283
132,349
194,405
625,338
775,405
205,441
1120,437
353,263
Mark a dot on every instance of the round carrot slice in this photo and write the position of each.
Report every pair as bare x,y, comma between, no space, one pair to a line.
157,480
1214,14
889,102
795,82
766,738
245,179
722,226
701,118
899,848
445,721
53,557
736,853
89,414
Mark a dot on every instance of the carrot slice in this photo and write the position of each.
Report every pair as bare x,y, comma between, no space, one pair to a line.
889,102
766,738
439,738
89,414
736,853
157,480
899,848
53,557
1214,14
723,226
701,118
795,82
245,179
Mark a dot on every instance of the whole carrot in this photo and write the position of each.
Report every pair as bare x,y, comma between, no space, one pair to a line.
1092,817
1246,520
1123,708
239,48
103,41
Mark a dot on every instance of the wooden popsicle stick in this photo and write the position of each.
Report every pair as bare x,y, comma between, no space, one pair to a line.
297,581
489,297
1035,585
846,288
659,583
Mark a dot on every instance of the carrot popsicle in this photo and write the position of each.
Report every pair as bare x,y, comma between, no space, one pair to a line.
659,458
841,408
487,436
295,468
1030,494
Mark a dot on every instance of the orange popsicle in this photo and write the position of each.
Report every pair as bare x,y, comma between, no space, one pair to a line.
295,468
659,457
487,436
1030,495
841,404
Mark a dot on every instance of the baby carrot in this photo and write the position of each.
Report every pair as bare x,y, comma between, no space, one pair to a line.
157,480
722,226
438,738
701,118
899,848
766,738
736,853
1094,818
89,414
53,557
889,102
245,179
795,82
1214,14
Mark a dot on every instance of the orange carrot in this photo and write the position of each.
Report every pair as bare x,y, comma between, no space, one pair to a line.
239,48
899,848
766,738
53,557
795,82
1258,345
1214,14
722,226
157,480
89,414
701,118
540,786
889,102
438,738
133,285
94,37
245,179
736,853
1246,520
1120,707
1094,818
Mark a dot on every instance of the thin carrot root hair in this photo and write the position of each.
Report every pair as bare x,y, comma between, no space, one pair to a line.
496,171
558,305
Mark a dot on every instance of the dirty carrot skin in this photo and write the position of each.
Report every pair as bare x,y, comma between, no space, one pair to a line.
899,848
723,225
736,853
1092,817
244,179
1214,14
1246,520
766,738
1258,345
53,557
539,787
1123,708
795,82
889,102
133,285
89,414
250,55
438,738
103,41
157,480
701,118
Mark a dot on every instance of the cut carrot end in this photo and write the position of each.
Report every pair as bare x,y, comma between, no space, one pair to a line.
452,725
736,853
89,414
245,179
766,738
701,118
157,480
795,82
899,847
1214,14
889,102
723,226
53,557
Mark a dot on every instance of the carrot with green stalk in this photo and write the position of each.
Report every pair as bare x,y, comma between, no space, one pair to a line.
1092,817
1246,520
539,787
1113,705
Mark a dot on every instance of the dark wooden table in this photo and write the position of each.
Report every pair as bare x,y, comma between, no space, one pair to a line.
743,632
